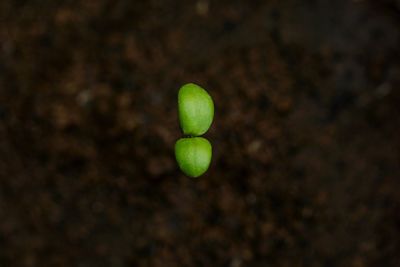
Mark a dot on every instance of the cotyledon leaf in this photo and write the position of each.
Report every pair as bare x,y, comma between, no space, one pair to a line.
193,155
196,109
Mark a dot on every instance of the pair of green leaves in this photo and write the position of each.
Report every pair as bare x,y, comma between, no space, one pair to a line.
196,113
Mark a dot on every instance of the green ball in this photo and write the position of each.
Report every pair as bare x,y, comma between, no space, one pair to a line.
196,109
193,155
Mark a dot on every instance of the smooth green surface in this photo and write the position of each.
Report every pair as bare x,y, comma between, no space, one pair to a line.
196,109
193,155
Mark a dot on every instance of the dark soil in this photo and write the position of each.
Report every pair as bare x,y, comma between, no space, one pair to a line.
306,164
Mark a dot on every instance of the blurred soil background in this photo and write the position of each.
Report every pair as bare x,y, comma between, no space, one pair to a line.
306,166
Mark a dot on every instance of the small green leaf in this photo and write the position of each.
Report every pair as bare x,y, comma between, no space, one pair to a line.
196,109
193,155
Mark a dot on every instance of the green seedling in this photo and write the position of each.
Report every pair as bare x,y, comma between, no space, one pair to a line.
196,113
193,155
196,109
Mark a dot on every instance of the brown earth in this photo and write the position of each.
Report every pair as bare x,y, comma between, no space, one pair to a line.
306,166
